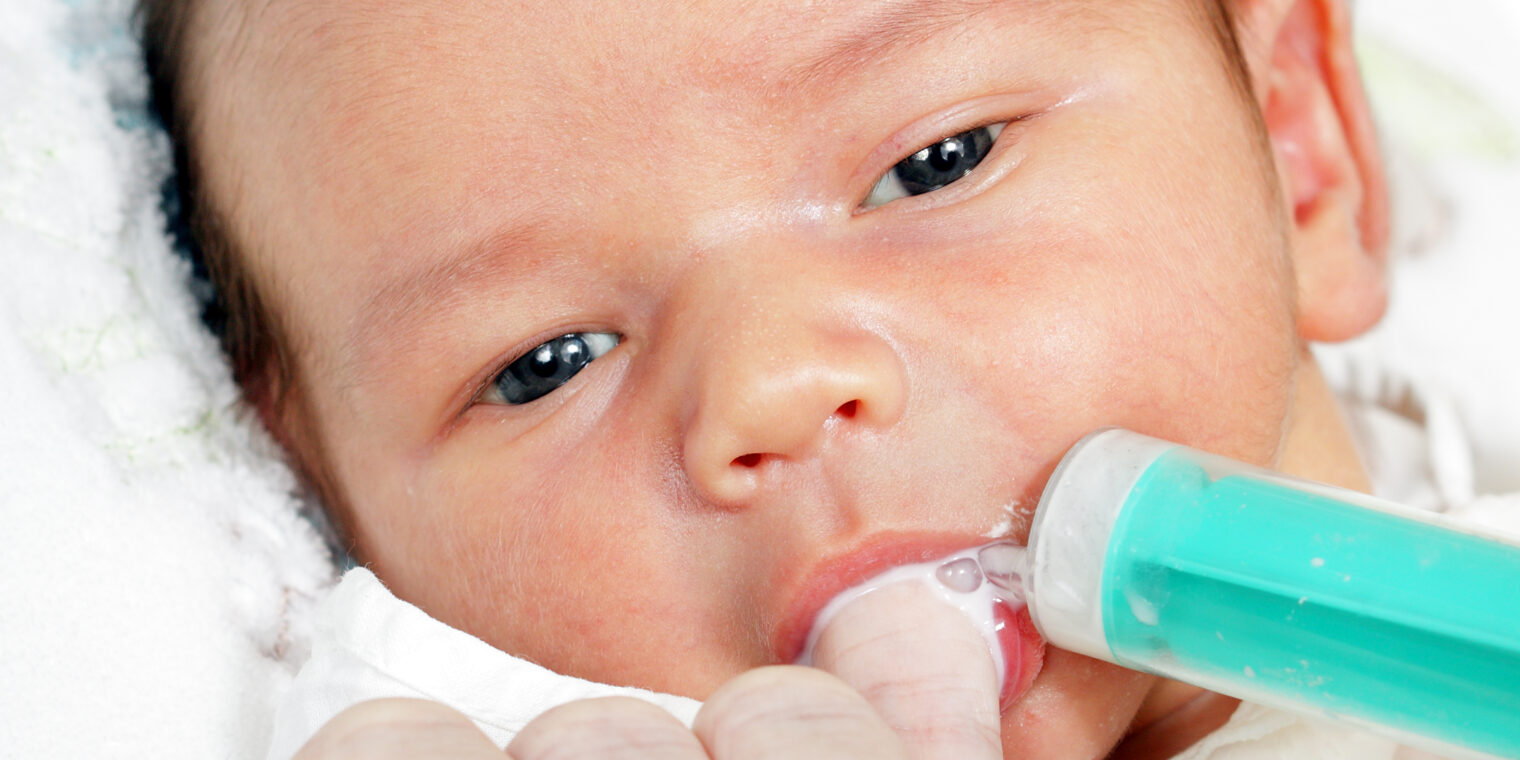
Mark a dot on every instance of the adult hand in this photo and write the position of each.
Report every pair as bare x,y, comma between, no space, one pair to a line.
899,675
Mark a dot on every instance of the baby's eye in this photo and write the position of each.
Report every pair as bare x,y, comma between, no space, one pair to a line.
547,367
935,166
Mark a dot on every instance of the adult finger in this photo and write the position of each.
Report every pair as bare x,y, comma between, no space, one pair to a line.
923,666
788,711
619,728
383,729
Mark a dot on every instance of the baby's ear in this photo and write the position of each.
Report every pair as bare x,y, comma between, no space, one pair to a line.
1305,78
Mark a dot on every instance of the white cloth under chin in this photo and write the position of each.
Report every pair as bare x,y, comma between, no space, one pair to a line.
369,644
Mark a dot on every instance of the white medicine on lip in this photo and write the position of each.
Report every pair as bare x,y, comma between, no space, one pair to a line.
958,580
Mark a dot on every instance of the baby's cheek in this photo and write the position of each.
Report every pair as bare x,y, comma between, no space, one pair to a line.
1208,359
567,556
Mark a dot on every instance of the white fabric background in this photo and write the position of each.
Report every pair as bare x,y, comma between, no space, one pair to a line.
155,575
153,570
1443,77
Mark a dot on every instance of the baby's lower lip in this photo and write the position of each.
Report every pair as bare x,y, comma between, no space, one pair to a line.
1023,652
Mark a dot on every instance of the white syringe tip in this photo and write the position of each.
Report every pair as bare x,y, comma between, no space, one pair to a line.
1005,564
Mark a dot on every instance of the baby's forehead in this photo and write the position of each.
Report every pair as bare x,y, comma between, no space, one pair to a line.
557,51
337,73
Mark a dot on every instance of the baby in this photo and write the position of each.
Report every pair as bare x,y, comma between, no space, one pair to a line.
623,335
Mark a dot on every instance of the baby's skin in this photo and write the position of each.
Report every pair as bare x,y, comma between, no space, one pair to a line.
628,334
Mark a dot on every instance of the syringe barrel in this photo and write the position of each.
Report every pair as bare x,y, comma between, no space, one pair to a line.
1279,591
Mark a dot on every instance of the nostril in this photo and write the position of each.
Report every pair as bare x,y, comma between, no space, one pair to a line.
848,409
748,460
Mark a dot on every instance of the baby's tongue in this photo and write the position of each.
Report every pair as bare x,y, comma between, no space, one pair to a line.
922,664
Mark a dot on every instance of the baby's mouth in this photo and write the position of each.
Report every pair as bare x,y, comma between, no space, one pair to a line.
977,583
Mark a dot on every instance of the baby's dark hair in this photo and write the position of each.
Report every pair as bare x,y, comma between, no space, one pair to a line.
253,340
253,336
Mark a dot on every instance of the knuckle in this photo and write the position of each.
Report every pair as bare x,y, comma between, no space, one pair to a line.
953,735
927,690
783,690
789,711
384,728
944,719
610,727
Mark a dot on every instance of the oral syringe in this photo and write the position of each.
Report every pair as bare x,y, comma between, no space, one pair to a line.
1295,595
1291,594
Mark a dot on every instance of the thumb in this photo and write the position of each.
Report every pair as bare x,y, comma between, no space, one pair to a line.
397,728
925,668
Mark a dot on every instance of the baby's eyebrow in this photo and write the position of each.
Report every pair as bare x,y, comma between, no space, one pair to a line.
404,304
893,24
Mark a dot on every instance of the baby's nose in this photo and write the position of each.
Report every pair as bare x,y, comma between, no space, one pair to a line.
773,393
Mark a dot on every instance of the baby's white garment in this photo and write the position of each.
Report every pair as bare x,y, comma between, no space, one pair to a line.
369,644
1259,733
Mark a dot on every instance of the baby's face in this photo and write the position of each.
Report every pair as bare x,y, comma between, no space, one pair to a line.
786,379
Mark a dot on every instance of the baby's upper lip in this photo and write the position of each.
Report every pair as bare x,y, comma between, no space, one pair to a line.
834,574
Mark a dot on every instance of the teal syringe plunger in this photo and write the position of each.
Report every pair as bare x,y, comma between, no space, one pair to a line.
1291,594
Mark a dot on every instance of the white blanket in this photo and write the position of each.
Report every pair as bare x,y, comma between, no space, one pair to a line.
156,572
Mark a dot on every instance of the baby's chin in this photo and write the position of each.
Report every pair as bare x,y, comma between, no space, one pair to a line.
1077,708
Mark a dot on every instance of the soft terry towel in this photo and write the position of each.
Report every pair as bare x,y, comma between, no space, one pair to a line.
154,566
